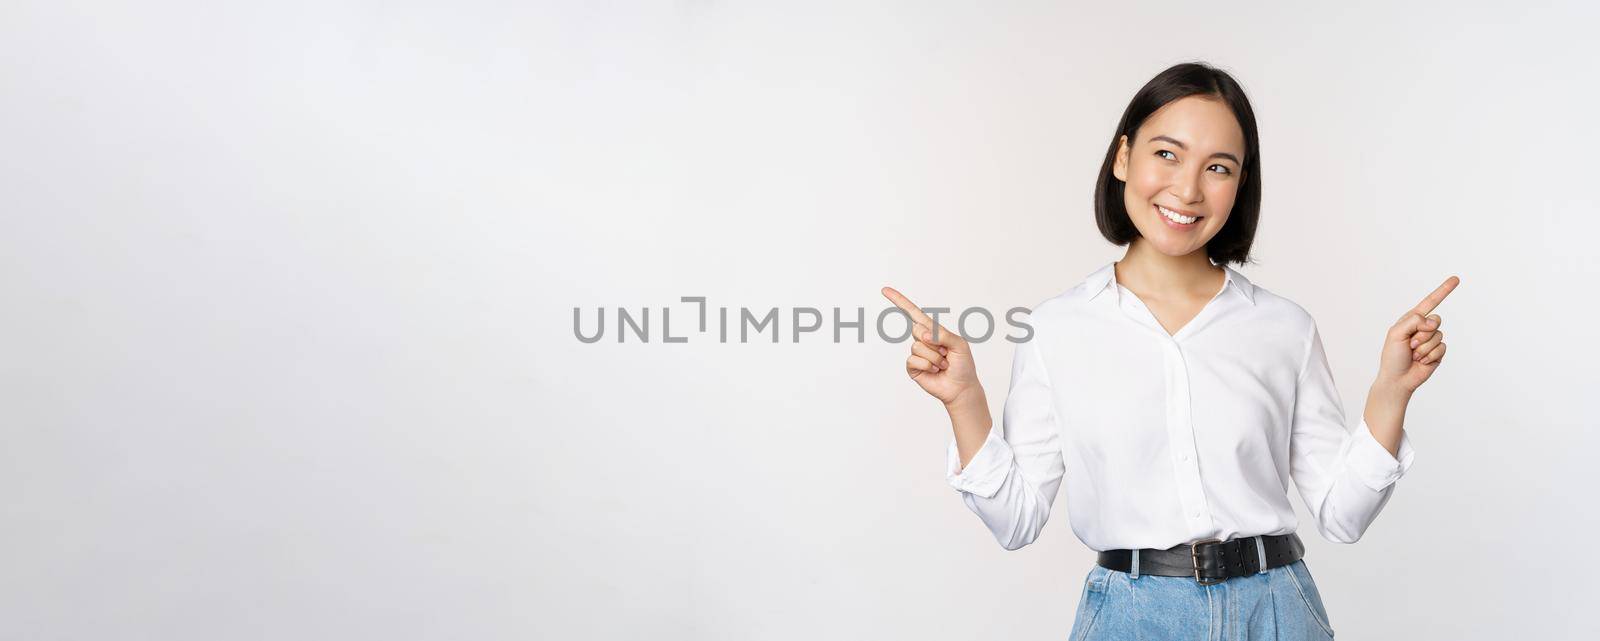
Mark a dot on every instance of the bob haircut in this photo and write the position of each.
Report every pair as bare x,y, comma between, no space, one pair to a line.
1232,242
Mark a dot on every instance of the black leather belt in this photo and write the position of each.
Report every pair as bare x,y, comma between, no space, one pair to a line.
1211,561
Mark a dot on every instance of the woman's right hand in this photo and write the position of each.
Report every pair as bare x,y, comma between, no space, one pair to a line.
942,365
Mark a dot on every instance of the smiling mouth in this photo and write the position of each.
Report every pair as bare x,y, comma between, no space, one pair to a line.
1177,217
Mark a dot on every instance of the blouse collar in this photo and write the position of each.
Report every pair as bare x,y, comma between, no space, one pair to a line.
1105,279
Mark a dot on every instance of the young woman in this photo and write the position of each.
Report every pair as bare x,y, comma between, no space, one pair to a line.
1174,398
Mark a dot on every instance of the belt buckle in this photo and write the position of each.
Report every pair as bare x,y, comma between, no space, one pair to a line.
1194,559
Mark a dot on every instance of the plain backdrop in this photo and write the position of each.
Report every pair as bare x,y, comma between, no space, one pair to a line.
287,347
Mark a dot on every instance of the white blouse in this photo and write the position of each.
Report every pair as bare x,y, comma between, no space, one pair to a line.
1169,439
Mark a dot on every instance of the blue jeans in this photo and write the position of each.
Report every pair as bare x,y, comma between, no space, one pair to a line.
1281,603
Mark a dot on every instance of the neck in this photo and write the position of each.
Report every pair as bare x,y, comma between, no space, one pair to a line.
1145,270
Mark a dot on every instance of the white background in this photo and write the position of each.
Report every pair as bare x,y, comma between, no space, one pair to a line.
287,346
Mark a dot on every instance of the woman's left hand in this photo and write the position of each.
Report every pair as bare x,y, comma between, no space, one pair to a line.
1415,345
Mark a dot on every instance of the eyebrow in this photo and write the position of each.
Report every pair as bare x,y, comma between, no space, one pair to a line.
1175,141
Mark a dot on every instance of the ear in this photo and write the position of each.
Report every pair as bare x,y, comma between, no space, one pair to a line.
1119,168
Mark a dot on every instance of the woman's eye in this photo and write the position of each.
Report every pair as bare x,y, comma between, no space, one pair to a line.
1221,169
1167,154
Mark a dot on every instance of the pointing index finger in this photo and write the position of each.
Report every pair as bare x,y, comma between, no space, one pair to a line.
1426,306
907,306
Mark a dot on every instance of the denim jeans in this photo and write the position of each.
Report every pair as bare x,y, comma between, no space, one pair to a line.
1281,603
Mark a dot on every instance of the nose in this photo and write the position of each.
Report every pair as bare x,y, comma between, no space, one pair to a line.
1187,187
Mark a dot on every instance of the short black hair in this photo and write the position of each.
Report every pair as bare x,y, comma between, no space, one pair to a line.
1232,243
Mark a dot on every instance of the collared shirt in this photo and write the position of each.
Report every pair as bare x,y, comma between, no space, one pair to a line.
1164,439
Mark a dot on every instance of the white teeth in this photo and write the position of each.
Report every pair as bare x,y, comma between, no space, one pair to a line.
1175,216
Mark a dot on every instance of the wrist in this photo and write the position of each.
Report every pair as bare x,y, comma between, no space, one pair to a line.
1390,392
966,400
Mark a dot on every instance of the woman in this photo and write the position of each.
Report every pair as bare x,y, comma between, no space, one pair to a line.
1175,399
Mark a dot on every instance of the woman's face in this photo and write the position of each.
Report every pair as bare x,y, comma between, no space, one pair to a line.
1185,161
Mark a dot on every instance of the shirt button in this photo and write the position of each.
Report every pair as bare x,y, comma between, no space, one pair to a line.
1183,457
1195,514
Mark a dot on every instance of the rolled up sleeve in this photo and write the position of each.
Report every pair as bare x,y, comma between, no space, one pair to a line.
1344,476
1012,480
987,469
1371,462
